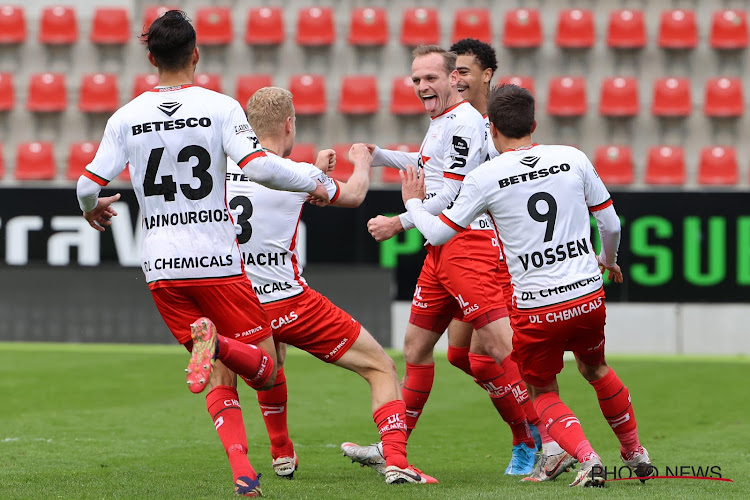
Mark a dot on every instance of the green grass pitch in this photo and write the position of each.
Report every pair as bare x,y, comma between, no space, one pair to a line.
117,421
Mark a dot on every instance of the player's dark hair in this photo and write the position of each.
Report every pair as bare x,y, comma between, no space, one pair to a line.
510,108
449,58
484,52
171,40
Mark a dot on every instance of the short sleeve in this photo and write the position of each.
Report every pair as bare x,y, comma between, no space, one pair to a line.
331,185
597,196
111,157
465,150
240,142
469,205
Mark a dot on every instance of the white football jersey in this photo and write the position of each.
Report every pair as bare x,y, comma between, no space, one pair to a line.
455,145
269,221
491,149
539,198
176,141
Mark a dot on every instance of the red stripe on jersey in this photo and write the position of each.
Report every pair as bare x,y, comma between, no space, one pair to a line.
450,109
251,157
522,148
338,191
451,224
451,175
295,266
601,206
99,180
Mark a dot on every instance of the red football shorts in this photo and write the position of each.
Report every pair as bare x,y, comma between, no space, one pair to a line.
542,335
311,322
459,279
233,307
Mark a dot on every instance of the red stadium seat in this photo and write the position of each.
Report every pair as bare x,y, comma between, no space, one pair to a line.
304,152
213,26
619,97
359,95
665,165
626,30
420,26
152,12
523,29
472,23
724,97
718,165
210,81
47,93
80,154
524,81
575,29
110,26
368,26
403,99
390,175
672,97
678,29
58,26
12,24
567,96
247,85
265,26
7,92
729,29
35,161
614,164
144,82
98,93
344,167
315,27
309,93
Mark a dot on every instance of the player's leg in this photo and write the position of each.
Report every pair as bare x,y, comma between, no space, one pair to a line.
179,307
459,341
274,409
617,408
498,375
538,348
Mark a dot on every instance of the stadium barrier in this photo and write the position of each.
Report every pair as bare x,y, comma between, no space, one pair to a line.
686,256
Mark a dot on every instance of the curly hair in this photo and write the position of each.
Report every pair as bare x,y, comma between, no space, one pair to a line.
484,53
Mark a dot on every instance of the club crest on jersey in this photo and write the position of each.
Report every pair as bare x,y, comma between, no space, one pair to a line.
530,161
169,108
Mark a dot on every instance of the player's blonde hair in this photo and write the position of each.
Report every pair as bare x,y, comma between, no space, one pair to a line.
268,109
449,58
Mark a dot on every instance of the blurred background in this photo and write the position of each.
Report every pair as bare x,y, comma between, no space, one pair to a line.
653,91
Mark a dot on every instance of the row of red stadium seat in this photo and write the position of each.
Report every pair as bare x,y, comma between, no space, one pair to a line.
665,165
567,96
522,27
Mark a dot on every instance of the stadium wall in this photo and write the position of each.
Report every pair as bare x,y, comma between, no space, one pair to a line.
686,256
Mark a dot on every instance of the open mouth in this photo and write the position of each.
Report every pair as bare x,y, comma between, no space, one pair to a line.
430,102
461,88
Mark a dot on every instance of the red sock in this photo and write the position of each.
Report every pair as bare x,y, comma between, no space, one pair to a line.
223,405
415,391
519,390
614,400
250,362
273,407
563,426
492,378
392,428
459,357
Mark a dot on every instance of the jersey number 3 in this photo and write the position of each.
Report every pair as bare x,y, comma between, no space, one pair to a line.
549,216
167,186
243,219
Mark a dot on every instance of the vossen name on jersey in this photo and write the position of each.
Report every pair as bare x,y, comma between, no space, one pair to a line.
177,124
533,175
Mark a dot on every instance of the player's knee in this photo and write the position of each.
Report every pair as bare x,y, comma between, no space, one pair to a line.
592,373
